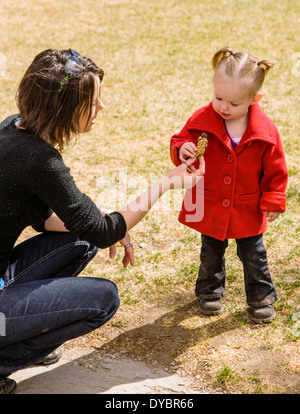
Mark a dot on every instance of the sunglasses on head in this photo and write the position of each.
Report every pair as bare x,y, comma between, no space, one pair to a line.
73,68
73,65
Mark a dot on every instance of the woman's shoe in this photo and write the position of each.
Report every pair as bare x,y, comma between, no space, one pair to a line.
262,314
7,386
51,358
210,306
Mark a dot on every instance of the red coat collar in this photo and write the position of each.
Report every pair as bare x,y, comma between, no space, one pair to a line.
259,126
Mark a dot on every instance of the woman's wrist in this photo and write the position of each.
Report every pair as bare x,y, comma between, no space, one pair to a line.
164,184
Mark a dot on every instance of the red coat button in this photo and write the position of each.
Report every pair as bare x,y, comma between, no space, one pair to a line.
226,203
230,158
227,180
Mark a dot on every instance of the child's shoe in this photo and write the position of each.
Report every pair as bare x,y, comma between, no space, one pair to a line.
261,314
210,306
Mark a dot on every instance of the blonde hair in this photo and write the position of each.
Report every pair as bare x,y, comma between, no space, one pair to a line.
242,65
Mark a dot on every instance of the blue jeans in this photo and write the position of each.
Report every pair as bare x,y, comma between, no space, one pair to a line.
210,284
43,304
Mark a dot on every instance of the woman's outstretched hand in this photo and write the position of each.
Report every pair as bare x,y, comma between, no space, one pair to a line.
186,175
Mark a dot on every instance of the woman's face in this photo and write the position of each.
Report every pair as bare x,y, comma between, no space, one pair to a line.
85,122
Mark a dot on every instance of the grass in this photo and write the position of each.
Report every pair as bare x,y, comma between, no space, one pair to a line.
156,57
226,374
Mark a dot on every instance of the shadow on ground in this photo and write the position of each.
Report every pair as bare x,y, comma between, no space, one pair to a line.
136,361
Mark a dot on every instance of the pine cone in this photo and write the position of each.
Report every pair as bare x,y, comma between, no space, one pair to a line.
201,145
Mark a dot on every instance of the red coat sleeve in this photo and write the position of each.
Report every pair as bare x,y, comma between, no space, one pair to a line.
274,181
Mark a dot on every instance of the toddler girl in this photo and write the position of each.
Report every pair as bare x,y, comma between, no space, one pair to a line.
244,183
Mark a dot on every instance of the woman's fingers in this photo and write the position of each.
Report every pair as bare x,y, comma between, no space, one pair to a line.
128,257
112,251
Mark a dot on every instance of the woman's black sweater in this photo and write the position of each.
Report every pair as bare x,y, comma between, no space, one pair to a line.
34,183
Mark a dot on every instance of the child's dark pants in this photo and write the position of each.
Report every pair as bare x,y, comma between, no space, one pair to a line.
210,284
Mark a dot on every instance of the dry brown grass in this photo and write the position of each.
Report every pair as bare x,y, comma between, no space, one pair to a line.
156,56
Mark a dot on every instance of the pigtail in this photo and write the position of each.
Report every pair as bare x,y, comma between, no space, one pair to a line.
265,65
218,56
243,65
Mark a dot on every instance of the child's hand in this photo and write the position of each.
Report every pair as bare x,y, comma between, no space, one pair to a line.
272,215
187,150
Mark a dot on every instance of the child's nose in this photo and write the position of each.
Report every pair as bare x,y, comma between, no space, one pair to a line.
224,106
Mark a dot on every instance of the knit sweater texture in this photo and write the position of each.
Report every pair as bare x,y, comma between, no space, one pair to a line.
34,183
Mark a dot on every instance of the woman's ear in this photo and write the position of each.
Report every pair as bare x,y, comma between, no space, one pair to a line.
257,97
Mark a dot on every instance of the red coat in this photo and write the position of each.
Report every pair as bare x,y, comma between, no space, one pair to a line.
238,185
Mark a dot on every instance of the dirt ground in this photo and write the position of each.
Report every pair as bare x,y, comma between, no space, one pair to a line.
160,341
174,338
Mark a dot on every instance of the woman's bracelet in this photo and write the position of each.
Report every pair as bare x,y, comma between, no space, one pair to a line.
128,245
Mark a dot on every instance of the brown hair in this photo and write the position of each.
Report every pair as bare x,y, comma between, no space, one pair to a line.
51,101
242,65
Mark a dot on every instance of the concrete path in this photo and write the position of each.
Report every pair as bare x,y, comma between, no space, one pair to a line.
110,375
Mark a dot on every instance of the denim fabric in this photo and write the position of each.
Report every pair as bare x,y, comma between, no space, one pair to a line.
44,305
210,283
